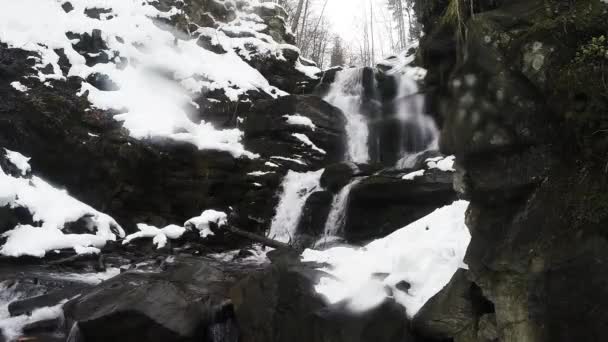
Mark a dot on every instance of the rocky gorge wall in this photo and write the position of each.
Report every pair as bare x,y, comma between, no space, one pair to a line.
521,89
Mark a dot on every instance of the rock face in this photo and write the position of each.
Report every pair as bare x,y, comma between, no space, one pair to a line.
521,99
459,311
384,202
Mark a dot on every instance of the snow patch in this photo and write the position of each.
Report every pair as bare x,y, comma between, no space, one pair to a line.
203,222
159,236
412,175
20,87
306,141
442,163
19,160
299,120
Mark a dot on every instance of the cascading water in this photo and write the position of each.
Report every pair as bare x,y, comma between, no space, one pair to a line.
337,215
418,130
346,93
297,187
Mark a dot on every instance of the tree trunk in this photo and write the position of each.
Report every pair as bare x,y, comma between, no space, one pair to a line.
296,17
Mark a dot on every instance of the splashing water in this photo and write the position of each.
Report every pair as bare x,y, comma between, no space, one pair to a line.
297,187
346,93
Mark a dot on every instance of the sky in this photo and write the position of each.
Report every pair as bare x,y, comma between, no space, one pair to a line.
346,17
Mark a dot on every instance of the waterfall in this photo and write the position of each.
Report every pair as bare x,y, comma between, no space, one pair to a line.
337,215
417,131
346,93
296,188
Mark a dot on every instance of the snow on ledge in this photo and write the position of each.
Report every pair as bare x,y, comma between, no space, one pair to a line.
425,254
442,163
412,175
299,120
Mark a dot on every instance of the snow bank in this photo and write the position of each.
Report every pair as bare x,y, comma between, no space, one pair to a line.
203,222
53,208
156,73
425,254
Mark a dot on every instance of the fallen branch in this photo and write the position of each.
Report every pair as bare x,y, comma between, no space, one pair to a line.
257,238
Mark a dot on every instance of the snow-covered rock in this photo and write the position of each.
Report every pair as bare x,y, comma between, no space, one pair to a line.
418,261
51,209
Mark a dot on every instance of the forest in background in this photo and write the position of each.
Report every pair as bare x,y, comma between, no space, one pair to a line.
386,27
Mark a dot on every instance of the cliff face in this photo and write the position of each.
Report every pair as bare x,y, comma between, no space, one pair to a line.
522,90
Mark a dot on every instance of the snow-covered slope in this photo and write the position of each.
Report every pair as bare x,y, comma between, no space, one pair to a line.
139,61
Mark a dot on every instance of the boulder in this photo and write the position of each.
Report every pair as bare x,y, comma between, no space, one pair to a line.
455,312
314,214
187,302
383,203
336,176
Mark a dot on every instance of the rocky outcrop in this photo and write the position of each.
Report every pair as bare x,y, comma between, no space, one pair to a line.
518,85
271,133
384,202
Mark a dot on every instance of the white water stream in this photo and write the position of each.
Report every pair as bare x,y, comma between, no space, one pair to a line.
346,93
296,189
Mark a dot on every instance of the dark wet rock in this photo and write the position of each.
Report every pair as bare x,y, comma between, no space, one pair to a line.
187,302
268,133
336,176
102,82
383,203
314,214
67,7
208,43
455,312
327,78
95,12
